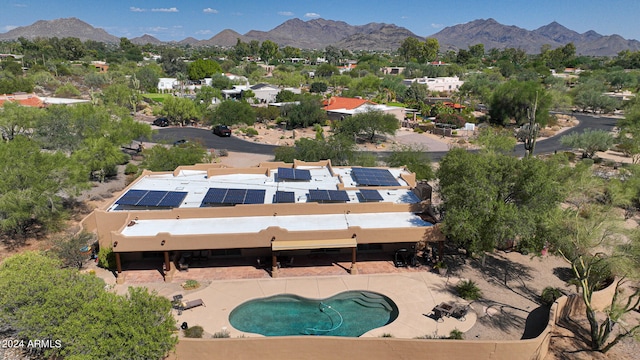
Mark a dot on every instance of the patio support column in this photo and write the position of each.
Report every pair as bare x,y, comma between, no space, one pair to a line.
274,264
118,263
440,250
354,268
167,263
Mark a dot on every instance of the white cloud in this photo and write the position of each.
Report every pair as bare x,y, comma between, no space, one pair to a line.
173,9
437,26
404,17
204,32
8,27
157,29
285,13
20,5
312,15
209,11
136,9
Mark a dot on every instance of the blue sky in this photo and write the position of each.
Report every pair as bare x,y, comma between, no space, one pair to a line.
175,20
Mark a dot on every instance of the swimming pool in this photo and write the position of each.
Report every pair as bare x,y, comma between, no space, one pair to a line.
350,313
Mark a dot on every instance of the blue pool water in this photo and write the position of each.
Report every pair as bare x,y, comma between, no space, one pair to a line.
350,313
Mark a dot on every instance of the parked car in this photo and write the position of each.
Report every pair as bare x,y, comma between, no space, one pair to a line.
162,122
222,130
180,142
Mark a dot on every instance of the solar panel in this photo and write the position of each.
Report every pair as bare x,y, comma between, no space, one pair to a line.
318,195
374,177
254,197
132,197
152,198
214,196
328,195
173,199
235,196
285,197
370,195
294,174
285,173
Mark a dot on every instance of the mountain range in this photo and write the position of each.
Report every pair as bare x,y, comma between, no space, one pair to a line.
320,33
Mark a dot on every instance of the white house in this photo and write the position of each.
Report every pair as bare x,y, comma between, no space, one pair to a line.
441,84
167,84
265,93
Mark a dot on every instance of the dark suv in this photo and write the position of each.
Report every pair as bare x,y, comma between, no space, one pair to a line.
162,122
222,130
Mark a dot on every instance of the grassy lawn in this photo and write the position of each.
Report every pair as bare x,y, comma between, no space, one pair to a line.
156,97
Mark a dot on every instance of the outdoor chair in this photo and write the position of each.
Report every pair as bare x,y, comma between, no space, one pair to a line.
189,305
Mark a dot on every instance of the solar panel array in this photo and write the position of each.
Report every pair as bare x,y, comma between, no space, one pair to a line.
294,174
328,195
152,198
373,177
369,195
284,197
233,196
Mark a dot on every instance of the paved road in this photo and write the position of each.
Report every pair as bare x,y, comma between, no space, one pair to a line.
169,135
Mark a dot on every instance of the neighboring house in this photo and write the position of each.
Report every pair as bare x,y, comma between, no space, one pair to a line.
347,67
102,66
235,92
392,70
167,84
338,108
33,100
273,209
439,84
265,93
24,99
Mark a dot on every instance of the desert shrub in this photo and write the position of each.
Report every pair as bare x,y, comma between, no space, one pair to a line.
468,290
249,131
418,130
386,335
550,295
130,169
223,334
571,156
106,258
194,332
190,285
588,162
456,334
223,152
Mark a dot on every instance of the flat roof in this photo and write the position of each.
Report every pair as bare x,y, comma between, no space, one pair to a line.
196,183
255,224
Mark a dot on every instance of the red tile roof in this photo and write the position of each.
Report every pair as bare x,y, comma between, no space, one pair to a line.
337,102
22,99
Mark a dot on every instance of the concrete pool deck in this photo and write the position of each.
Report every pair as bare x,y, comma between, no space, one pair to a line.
415,294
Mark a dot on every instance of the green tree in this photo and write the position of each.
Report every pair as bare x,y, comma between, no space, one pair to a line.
286,96
369,124
514,99
67,91
490,199
410,48
338,149
415,159
179,110
268,51
201,69
589,141
232,112
41,300
34,186
306,113
17,120
161,158
318,87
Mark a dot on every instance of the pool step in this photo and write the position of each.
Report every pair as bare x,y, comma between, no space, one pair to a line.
371,304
